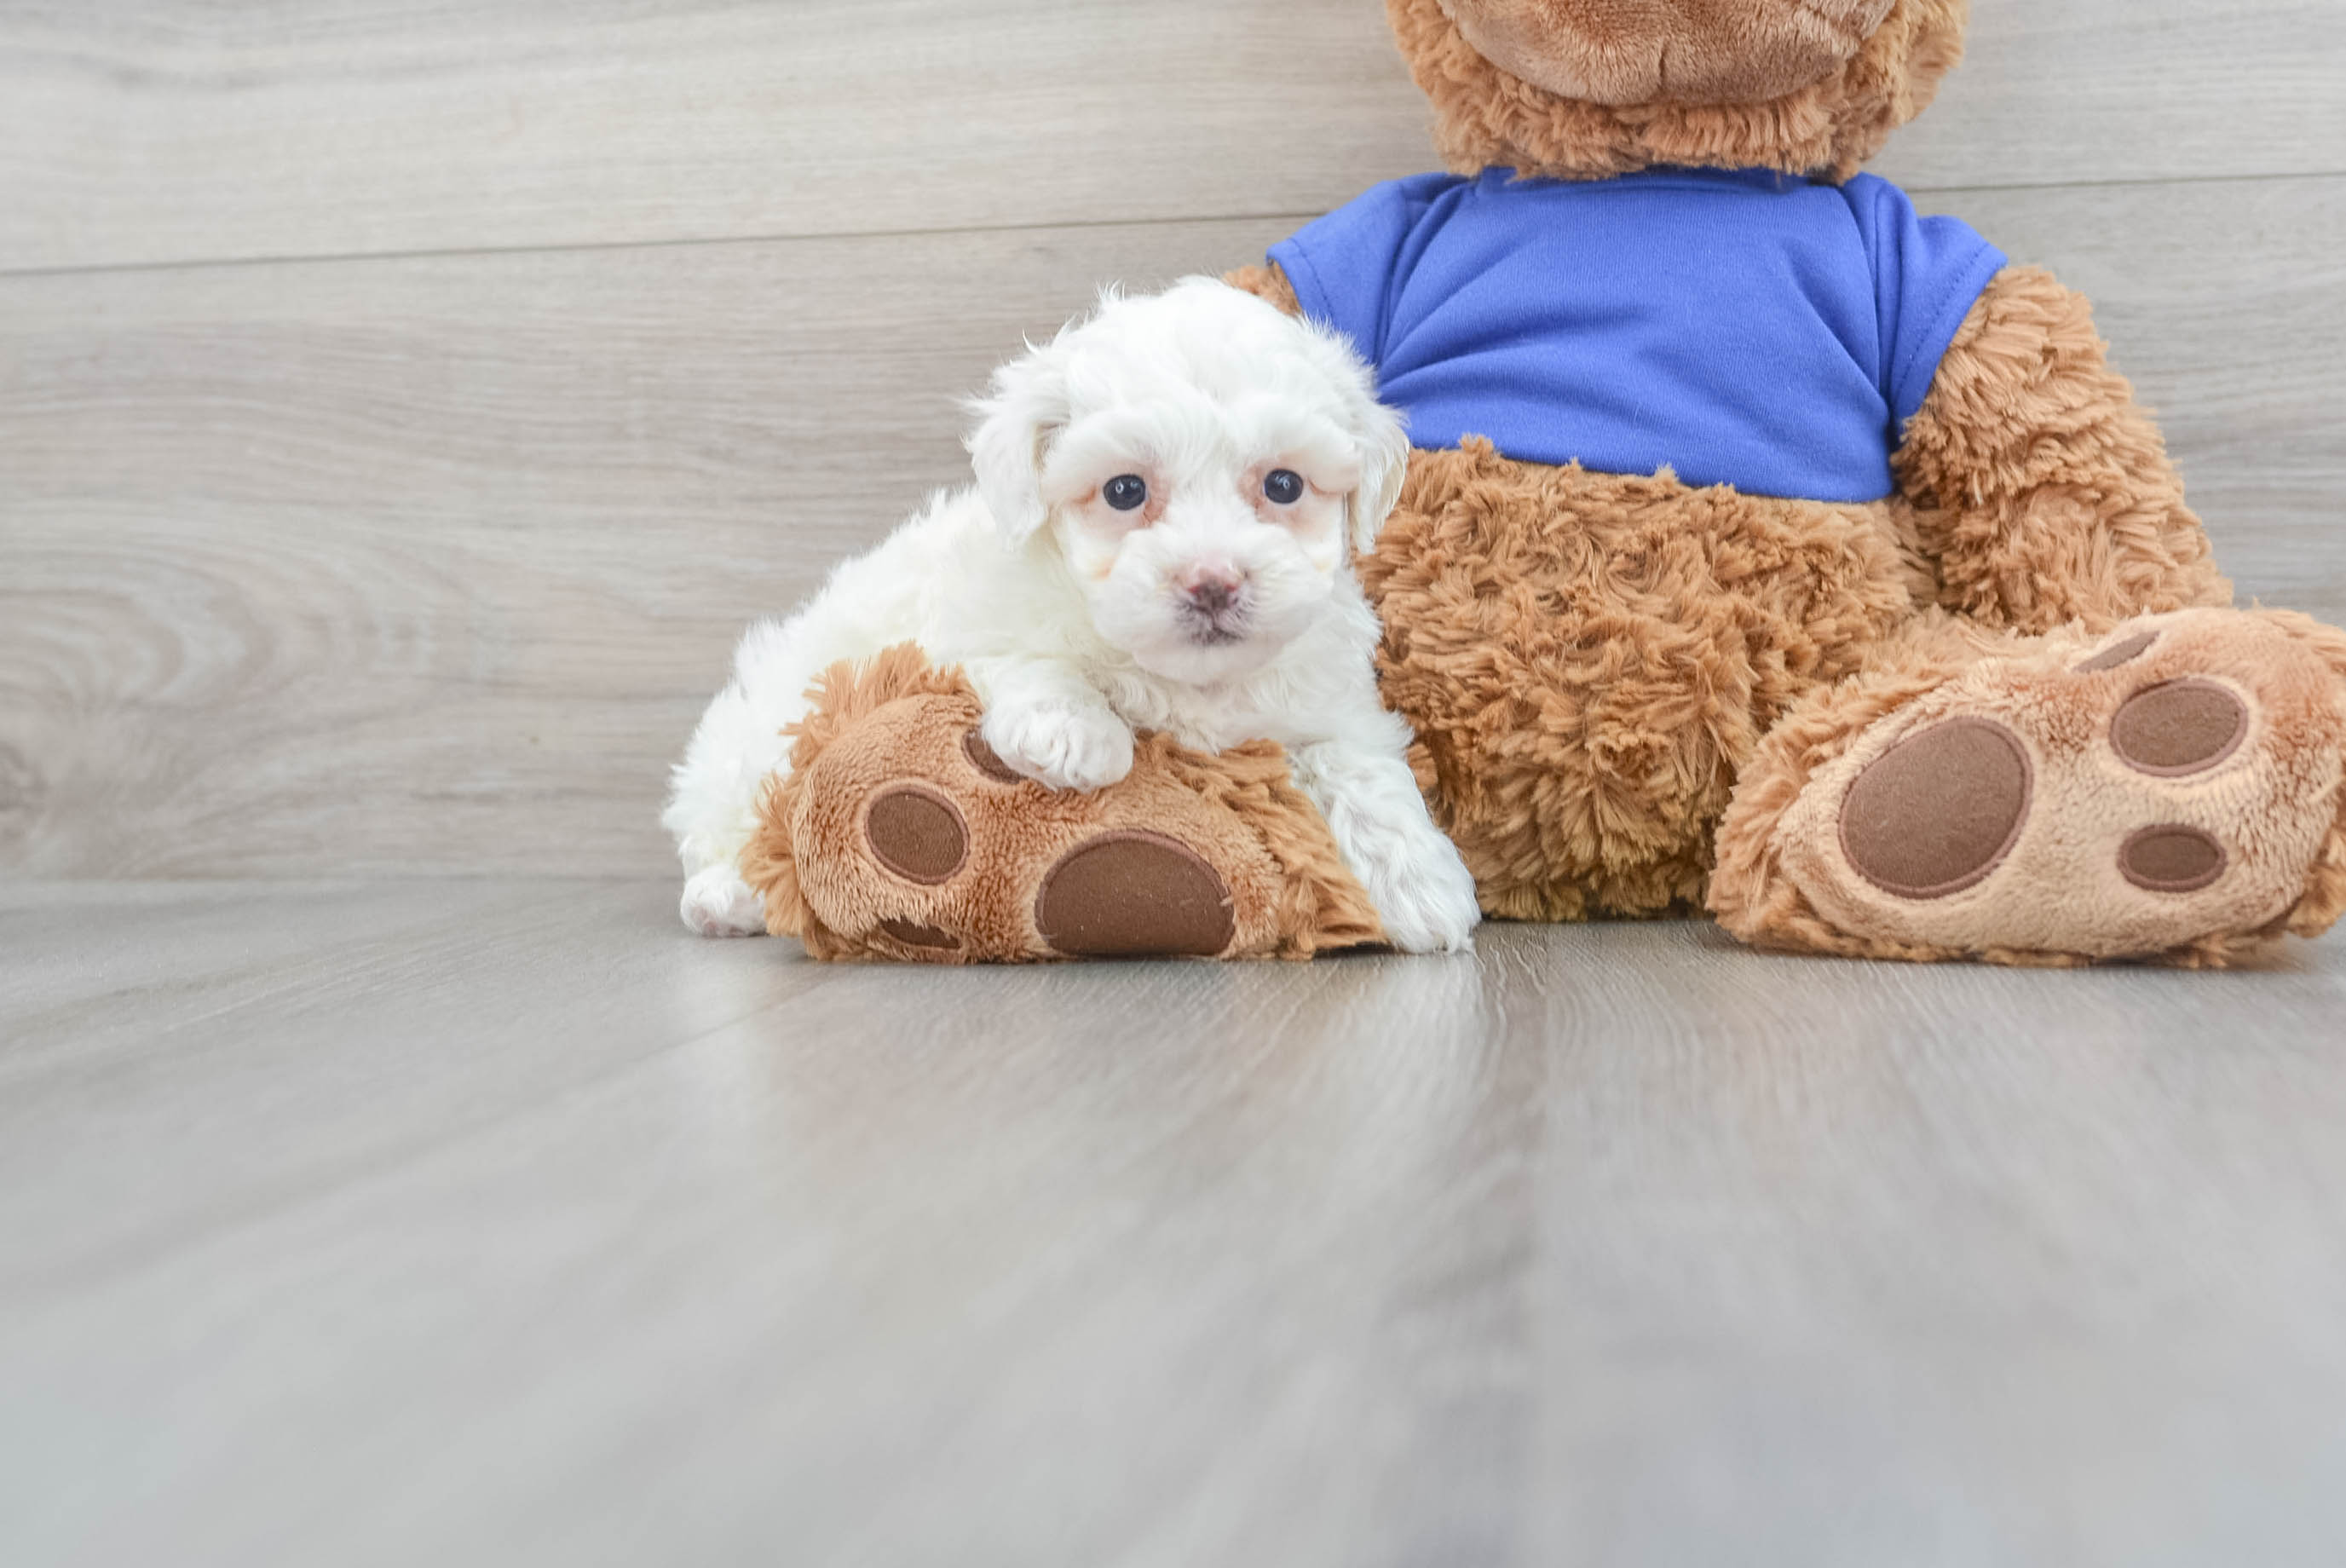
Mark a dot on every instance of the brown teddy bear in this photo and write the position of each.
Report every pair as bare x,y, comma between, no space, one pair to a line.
1767,545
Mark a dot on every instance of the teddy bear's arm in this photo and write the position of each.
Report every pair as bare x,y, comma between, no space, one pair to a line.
2041,490
1265,281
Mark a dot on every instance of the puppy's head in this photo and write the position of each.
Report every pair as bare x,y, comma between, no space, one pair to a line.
1204,462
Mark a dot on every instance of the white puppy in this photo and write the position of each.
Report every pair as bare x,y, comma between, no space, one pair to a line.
1168,495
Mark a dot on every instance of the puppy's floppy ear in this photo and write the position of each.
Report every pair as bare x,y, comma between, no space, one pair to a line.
1383,439
1380,436
1023,406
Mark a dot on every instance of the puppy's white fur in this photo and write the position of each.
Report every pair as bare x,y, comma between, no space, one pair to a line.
1217,608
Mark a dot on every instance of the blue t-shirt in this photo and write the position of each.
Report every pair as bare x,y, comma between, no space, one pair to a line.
1739,327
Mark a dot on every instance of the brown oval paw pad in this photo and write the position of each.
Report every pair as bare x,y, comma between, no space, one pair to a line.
927,937
2180,728
1134,894
1938,811
987,761
916,833
2172,859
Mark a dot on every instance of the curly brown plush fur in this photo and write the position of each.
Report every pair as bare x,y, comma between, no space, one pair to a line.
1485,117
1265,281
1587,659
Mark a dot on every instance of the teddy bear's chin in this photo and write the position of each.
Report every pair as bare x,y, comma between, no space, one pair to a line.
1486,117
1669,51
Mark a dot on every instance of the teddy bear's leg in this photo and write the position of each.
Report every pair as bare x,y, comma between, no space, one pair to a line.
2170,789
2039,490
899,832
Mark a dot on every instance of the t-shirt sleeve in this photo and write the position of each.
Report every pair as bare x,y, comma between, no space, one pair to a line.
1342,266
1927,272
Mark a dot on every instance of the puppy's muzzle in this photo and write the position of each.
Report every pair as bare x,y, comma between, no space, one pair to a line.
1213,604
1215,594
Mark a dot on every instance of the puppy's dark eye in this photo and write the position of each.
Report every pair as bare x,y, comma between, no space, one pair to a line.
1284,486
1125,492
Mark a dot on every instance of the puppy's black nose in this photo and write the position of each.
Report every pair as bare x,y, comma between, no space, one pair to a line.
1214,594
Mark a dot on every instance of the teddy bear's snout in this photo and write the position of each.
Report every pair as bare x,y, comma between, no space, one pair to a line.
1624,52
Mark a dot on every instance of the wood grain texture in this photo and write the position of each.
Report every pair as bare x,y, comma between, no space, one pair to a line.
156,132
503,1223
2069,92
429,563
146,131
328,566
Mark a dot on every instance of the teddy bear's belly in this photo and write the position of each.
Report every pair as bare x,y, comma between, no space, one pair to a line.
1587,659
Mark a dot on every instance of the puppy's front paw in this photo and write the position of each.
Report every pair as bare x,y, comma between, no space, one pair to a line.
1062,745
717,902
1427,900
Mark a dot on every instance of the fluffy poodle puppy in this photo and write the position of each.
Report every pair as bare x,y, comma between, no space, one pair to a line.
1169,497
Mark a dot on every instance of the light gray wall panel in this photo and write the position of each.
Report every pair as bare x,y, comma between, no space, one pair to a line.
426,563
149,130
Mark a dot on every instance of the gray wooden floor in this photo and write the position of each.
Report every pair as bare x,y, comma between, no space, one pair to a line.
403,403
497,1222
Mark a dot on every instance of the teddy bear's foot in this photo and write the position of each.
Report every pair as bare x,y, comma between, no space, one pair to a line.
899,833
2171,789
979,875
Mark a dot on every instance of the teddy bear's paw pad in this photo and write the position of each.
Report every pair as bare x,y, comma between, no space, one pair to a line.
2175,785
917,833
1939,812
1134,894
2173,858
927,941
987,761
2179,728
